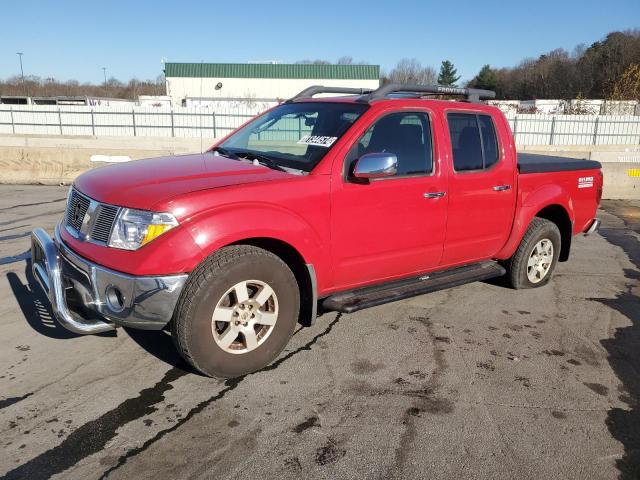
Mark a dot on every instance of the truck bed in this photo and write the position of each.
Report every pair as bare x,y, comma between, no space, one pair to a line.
532,163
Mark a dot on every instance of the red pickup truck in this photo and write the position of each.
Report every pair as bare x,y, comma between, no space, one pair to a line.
343,203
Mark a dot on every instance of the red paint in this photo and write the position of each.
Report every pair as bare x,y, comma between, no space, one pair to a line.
353,234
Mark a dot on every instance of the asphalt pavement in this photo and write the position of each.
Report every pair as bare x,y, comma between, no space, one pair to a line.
478,381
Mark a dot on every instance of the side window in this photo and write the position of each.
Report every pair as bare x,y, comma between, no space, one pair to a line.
489,140
473,141
406,134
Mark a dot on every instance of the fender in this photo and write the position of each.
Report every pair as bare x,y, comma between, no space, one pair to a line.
215,228
530,203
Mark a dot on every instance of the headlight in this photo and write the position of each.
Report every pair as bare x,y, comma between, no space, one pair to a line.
134,228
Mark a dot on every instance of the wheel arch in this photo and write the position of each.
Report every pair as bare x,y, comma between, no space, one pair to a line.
558,215
300,268
551,202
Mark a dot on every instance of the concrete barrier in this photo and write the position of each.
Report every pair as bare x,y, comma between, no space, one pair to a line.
32,159
621,181
26,159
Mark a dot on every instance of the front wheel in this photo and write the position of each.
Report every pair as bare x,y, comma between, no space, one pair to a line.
237,312
532,264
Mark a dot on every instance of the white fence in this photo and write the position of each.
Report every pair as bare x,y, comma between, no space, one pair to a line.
575,129
201,121
122,121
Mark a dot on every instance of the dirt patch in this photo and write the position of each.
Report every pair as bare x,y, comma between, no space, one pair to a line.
329,453
364,367
307,424
554,353
598,388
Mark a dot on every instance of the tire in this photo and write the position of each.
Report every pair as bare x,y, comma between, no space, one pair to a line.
215,286
518,268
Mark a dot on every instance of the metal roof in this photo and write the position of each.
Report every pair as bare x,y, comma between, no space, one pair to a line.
272,70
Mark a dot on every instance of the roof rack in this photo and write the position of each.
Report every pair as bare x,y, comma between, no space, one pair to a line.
471,94
316,89
368,94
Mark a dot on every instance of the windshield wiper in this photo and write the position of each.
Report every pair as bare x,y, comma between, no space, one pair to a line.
226,153
264,160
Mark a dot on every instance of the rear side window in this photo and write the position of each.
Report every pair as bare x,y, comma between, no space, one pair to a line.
489,140
473,141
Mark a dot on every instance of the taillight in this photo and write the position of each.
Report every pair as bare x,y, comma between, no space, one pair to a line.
600,184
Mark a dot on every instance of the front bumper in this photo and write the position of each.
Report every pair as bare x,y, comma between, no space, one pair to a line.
88,298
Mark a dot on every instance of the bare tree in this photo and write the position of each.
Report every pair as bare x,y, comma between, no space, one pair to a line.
410,70
51,87
317,61
346,60
592,72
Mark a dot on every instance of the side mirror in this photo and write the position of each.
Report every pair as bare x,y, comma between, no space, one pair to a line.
376,165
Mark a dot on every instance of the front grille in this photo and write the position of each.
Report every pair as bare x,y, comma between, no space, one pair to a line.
106,215
99,223
76,210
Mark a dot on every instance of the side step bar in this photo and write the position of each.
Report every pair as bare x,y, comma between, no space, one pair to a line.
351,301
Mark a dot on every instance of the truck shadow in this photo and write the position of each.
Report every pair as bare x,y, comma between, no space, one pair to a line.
159,344
624,357
36,309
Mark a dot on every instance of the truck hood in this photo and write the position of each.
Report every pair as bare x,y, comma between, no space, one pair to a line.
144,183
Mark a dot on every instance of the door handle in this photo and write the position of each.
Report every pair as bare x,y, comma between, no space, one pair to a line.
433,194
502,188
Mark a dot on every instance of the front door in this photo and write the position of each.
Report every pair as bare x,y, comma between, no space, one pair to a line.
390,227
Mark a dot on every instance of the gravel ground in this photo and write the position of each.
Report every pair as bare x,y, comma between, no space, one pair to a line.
474,382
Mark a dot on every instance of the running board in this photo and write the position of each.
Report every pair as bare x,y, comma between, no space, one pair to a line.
353,300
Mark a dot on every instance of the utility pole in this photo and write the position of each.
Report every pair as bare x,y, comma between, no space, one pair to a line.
104,71
24,85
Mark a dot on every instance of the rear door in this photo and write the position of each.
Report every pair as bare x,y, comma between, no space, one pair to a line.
389,227
481,187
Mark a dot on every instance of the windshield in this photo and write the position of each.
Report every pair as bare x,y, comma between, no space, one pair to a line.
294,135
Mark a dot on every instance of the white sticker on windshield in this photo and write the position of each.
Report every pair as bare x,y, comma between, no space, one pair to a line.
317,140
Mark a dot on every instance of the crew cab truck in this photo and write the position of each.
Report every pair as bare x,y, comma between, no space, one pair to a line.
344,202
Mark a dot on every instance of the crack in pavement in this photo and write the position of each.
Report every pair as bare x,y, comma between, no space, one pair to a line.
91,437
7,402
14,236
31,217
230,385
33,204
16,258
426,401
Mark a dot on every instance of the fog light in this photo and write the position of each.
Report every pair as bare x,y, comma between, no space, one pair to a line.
114,298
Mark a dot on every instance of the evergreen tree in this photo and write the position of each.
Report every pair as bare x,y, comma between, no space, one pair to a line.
486,79
448,74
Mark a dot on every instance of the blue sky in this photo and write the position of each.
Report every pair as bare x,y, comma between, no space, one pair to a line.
74,39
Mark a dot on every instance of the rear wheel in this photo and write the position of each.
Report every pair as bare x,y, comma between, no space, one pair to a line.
534,261
237,312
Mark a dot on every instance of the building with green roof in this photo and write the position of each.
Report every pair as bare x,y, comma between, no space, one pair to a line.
268,82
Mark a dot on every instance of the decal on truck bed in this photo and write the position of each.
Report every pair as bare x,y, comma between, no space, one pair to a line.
317,140
585,182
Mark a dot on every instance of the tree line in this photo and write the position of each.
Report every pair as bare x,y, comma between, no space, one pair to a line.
34,86
607,69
